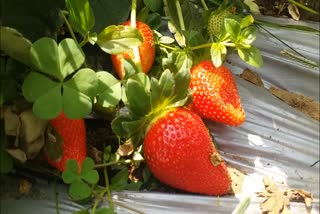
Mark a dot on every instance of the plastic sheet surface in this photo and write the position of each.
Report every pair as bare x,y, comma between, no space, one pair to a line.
276,141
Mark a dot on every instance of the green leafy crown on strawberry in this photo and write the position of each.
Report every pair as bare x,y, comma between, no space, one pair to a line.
147,99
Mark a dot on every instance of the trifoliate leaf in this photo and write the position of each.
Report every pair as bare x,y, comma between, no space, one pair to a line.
117,127
87,165
79,190
36,85
69,176
72,166
92,176
117,39
132,127
71,56
167,84
75,104
84,81
109,89
49,105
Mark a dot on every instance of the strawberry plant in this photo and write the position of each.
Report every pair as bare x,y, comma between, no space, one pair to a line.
151,69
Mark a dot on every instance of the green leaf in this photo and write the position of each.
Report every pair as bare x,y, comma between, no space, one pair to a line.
92,176
134,186
166,40
84,81
81,212
143,79
177,60
218,54
105,211
109,13
246,21
33,18
118,39
87,165
75,104
49,105
88,173
6,162
154,5
36,85
79,190
254,8
143,13
44,55
130,68
232,27
248,36
153,20
71,57
69,176
81,15
117,127
72,166
182,81
251,56
167,84
109,89
133,127
135,93
15,45
120,180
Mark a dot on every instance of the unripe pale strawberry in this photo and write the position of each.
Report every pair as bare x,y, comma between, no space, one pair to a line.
216,22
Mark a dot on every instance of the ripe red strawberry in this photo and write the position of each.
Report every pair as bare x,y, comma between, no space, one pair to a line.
73,133
177,145
179,152
215,94
146,50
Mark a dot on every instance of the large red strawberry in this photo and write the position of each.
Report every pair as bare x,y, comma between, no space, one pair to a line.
215,95
179,152
177,145
146,50
73,133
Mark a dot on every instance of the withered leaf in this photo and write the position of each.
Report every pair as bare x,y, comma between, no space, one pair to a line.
53,144
126,149
18,154
294,12
11,122
300,195
237,178
252,77
216,158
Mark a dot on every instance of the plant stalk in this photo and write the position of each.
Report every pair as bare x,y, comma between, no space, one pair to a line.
117,162
302,6
204,5
180,17
133,20
69,27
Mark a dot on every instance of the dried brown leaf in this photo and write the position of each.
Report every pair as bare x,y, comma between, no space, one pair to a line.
300,195
18,154
125,149
216,159
294,12
25,187
11,122
252,77
53,144
237,178
300,102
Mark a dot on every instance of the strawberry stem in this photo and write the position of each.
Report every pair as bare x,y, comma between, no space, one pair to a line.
179,12
204,5
117,162
133,16
167,46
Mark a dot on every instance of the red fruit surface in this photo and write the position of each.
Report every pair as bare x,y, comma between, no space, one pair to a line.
215,94
177,149
73,133
147,51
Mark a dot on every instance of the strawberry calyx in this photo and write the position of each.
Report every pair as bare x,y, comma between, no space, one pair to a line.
148,99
